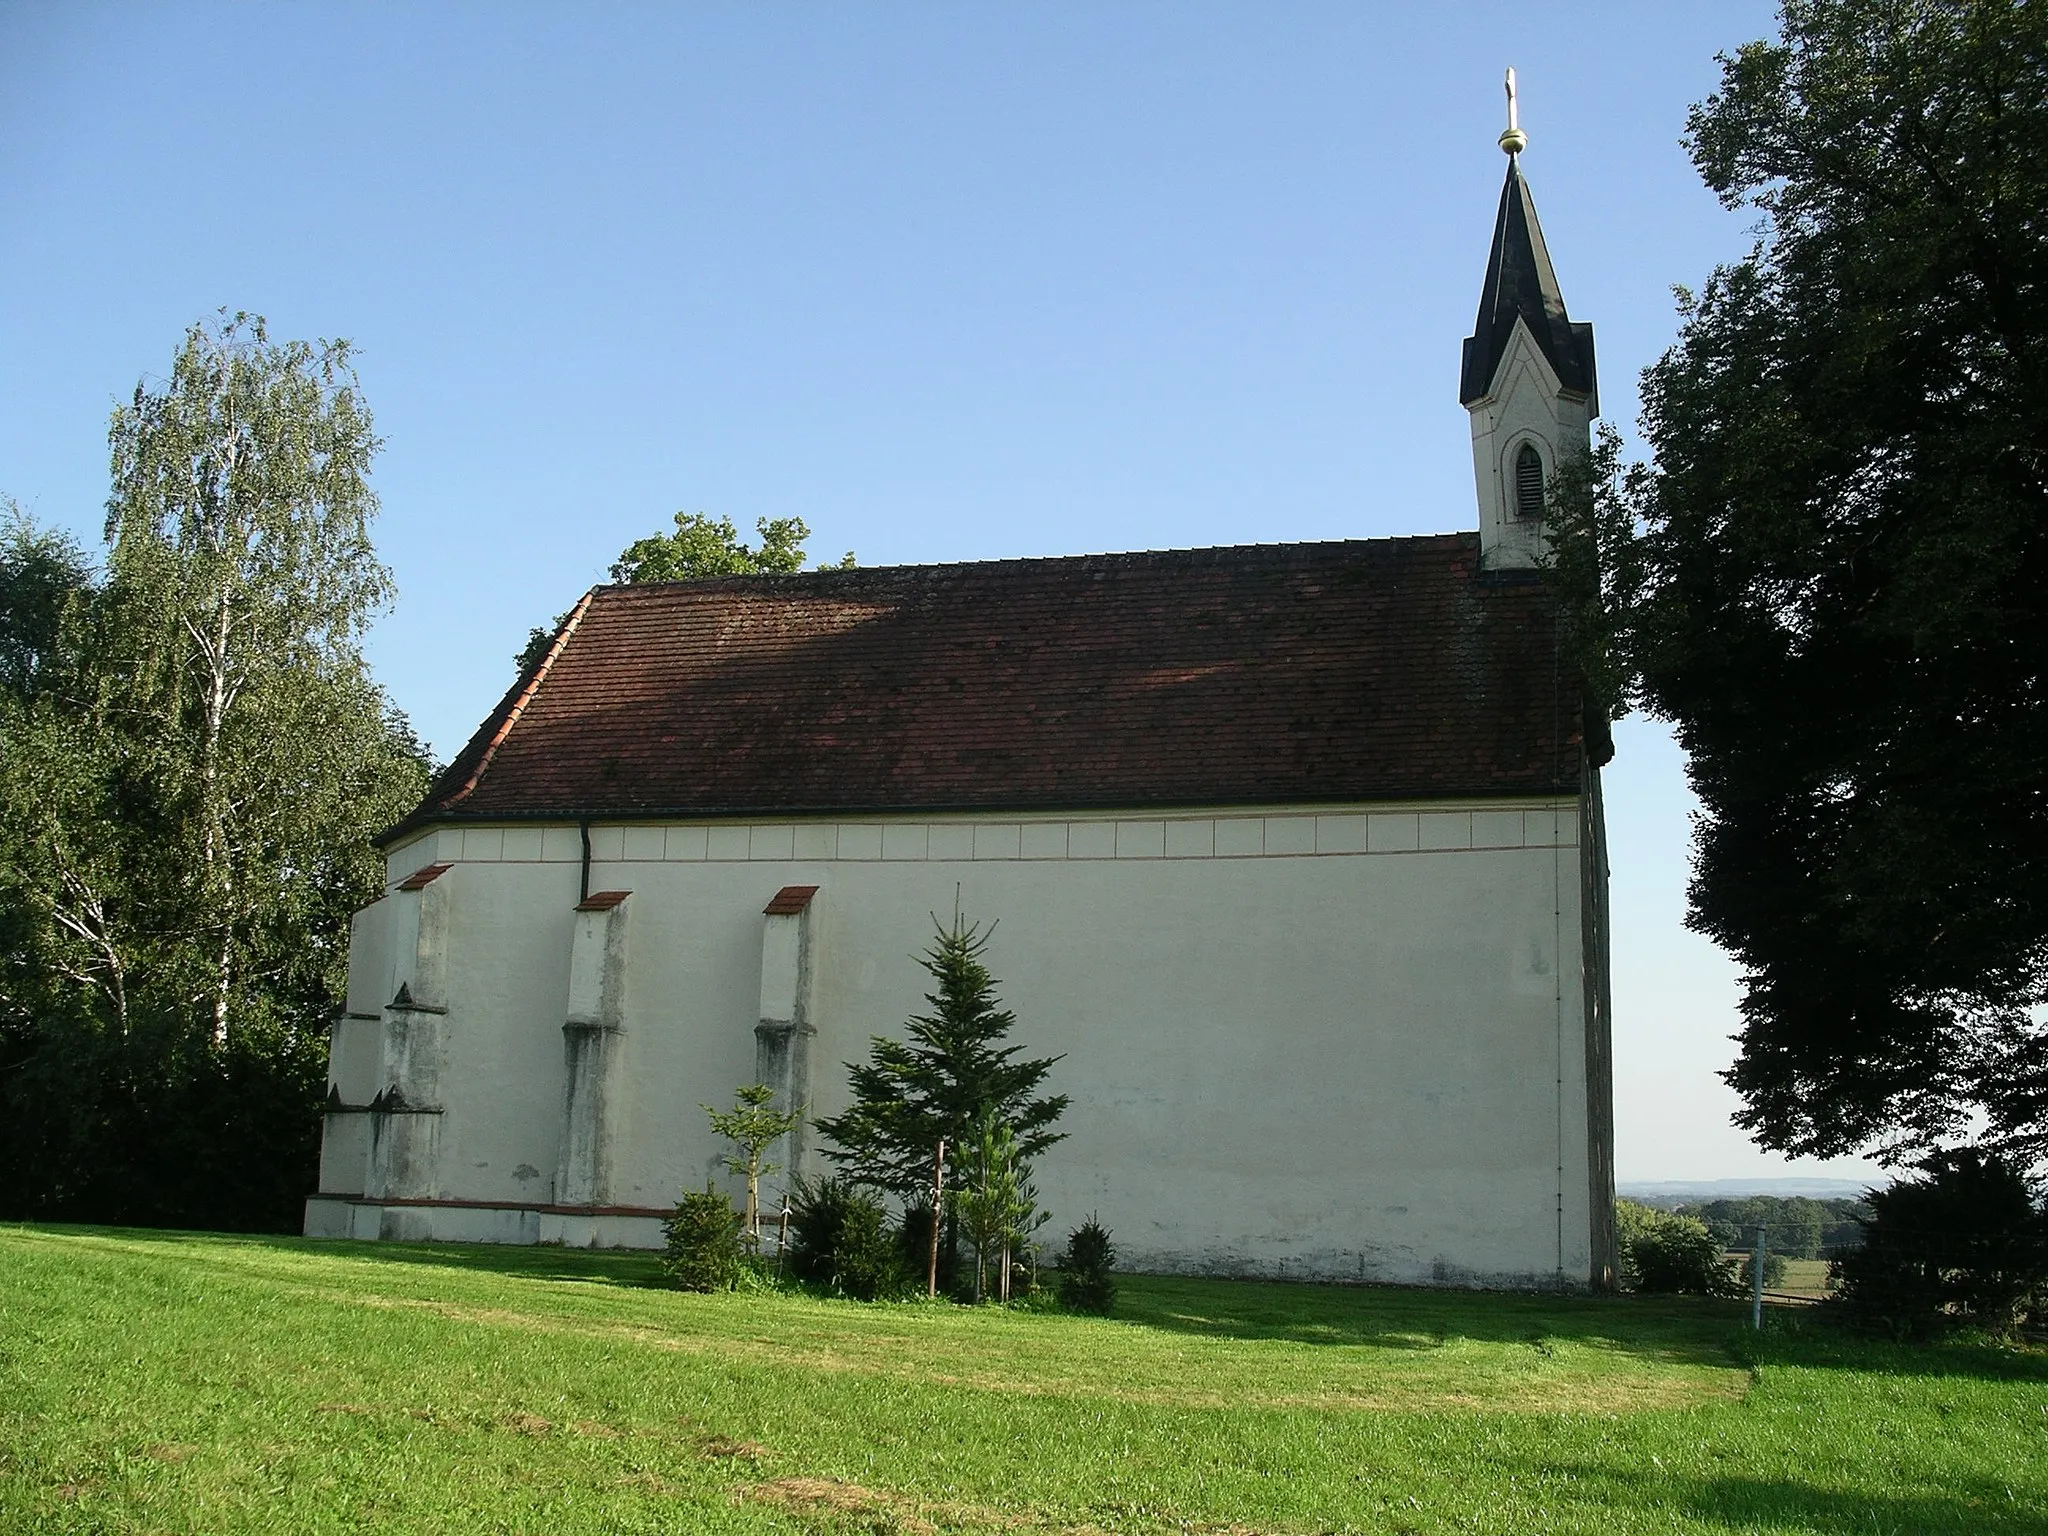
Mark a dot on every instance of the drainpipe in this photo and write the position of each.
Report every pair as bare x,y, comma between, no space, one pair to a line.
583,885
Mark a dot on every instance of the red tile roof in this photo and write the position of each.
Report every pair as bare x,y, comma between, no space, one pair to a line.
789,901
601,901
1261,675
424,876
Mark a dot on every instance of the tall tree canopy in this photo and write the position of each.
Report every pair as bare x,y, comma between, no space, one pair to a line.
241,578
1833,577
193,758
41,572
700,547
703,546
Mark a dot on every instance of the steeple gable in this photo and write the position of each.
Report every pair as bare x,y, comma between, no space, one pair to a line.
1521,285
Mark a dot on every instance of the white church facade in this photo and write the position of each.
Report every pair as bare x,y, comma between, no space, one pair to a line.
1295,851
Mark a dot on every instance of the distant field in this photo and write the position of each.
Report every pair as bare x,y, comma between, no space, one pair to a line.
174,1382
1804,1277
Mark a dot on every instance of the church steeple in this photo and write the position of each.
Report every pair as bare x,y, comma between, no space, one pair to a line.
1528,376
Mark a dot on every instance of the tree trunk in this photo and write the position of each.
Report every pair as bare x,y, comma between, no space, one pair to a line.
214,650
215,832
89,924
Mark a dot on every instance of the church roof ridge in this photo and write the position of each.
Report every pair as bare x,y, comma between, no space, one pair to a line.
1280,674
1190,555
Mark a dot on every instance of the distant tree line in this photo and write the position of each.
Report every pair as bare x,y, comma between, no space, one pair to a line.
1800,1228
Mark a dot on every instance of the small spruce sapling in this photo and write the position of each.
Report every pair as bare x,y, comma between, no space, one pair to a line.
1085,1285
911,1094
703,1250
753,1125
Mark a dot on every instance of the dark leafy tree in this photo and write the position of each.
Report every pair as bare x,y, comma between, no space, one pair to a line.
939,1083
1964,1245
43,576
1833,577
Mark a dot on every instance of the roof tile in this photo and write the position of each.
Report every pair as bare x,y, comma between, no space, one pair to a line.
1265,674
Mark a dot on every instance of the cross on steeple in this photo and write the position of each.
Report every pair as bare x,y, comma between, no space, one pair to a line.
1514,141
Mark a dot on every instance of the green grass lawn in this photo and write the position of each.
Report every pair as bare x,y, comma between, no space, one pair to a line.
173,1382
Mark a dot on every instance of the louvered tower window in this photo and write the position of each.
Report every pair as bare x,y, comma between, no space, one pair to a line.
1528,482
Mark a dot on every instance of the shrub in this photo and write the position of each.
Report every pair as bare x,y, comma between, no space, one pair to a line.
1777,1268
1964,1246
1664,1253
704,1250
1085,1284
867,1268
839,1238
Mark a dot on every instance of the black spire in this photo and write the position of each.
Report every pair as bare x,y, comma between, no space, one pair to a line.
1521,285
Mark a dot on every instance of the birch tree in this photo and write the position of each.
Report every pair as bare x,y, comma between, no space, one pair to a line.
243,577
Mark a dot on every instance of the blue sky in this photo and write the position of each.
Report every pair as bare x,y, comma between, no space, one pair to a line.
949,283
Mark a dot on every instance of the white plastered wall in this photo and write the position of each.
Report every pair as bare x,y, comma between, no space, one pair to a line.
1346,1045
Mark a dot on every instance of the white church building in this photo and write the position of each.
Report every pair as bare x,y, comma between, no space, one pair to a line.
1296,853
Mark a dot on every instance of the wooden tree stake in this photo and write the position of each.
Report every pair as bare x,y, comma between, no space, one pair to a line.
931,1279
